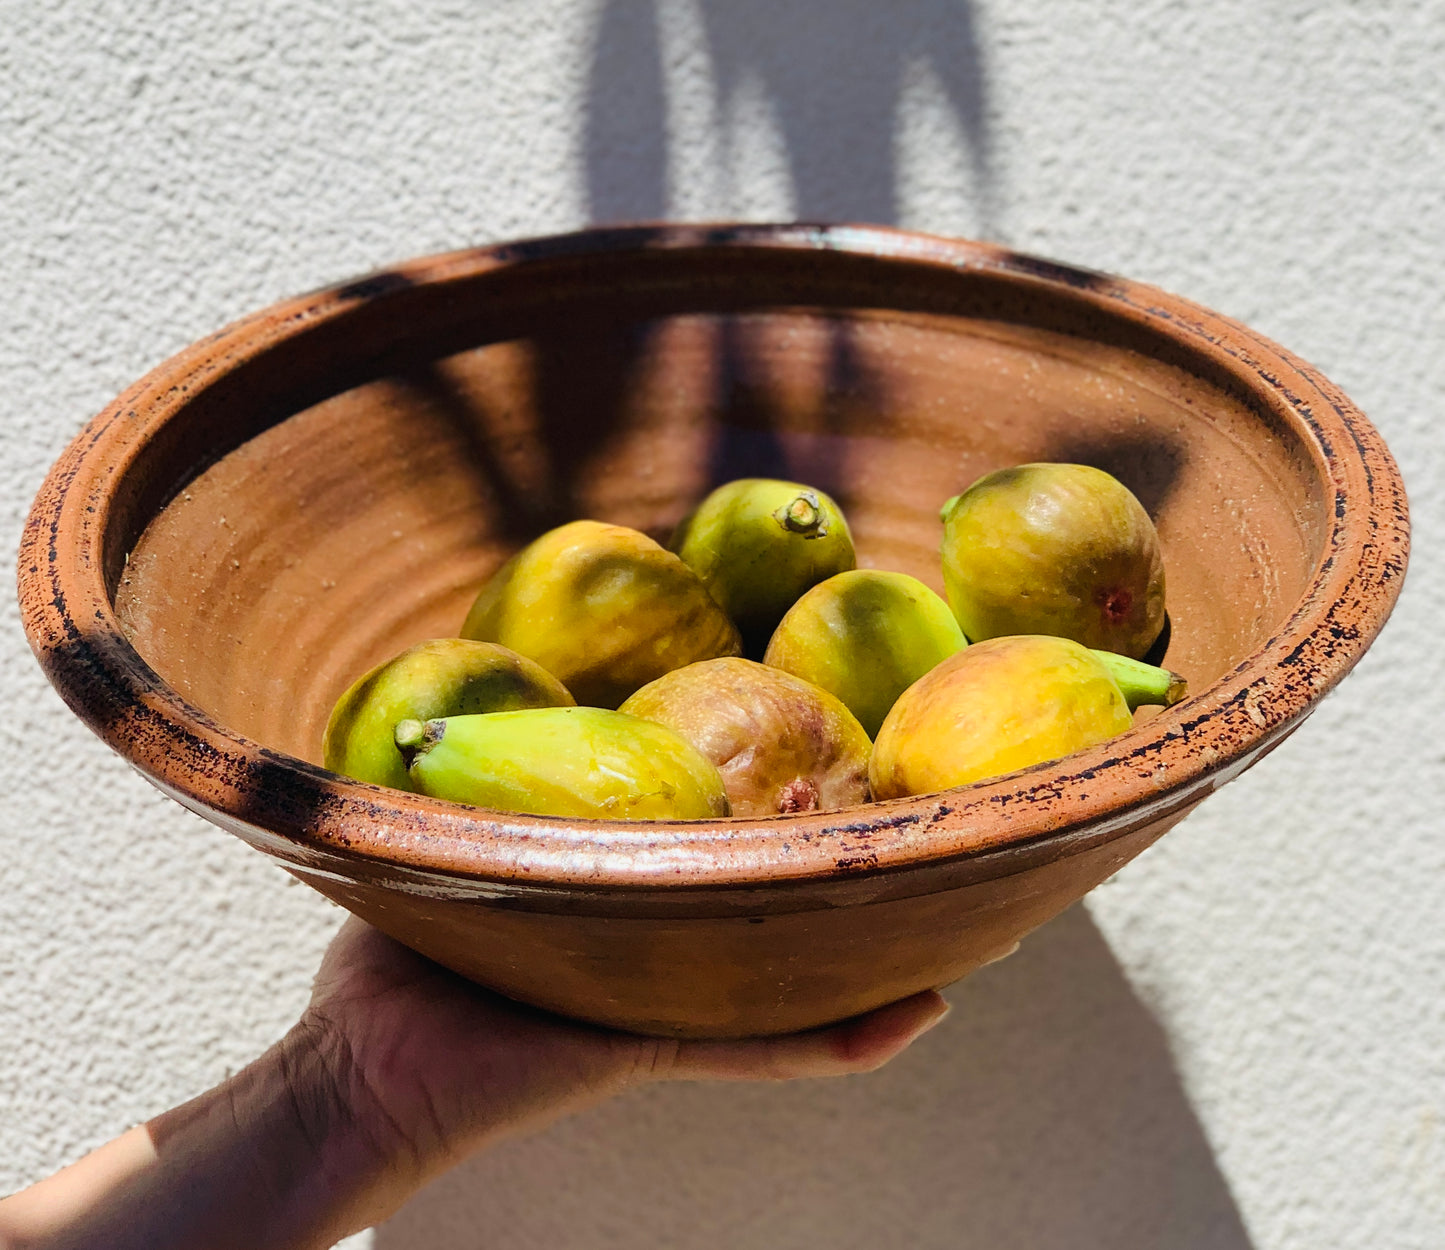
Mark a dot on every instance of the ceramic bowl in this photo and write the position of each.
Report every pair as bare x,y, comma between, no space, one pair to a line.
299,496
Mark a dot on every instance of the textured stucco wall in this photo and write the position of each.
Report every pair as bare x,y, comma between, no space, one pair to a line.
1238,1042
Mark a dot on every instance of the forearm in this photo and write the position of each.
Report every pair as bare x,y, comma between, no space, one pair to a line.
398,1070
270,1158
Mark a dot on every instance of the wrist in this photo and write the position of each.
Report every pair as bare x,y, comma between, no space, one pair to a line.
274,1156
344,1157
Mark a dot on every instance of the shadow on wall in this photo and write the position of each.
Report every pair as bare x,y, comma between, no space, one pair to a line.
1044,1112
833,74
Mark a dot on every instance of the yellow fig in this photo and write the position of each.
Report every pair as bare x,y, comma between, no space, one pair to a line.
441,677
565,761
602,608
993,708
781,744
865,636
1059,549
758,544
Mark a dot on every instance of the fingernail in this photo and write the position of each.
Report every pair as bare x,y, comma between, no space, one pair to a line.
940,1009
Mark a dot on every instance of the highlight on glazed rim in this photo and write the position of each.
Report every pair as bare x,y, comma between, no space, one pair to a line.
750,669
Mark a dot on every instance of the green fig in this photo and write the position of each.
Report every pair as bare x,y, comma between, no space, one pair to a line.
442,677
566,761
865,636
781,744
602,608
758,544
1059,549
993,708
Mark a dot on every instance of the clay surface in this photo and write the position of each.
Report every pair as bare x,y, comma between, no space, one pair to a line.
290,502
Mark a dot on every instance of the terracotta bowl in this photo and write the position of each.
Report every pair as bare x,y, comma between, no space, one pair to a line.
303,494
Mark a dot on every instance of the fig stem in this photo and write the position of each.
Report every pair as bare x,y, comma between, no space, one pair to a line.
804,515
1143,683
414,737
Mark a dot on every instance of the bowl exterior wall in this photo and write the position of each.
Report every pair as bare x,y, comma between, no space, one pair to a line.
735,976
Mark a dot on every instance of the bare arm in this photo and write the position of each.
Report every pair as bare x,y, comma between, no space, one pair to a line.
397,1071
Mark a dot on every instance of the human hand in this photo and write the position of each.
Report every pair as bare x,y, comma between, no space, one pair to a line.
432,1067
397,1070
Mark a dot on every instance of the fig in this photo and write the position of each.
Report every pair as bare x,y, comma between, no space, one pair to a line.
602,608
1059,549
562,761
442,677
865,636
993,708
758,544
781,744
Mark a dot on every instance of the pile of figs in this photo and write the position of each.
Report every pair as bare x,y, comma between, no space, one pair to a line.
750,668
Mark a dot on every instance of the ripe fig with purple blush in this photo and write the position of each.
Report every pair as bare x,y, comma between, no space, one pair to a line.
780,743
993,708
1061,549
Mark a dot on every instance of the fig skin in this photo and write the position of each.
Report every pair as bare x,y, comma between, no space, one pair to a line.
568,761
440,677
1060,549
758,544
993,708
865,636
602,608
781,744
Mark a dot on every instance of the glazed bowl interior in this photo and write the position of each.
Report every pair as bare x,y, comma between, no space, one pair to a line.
362,515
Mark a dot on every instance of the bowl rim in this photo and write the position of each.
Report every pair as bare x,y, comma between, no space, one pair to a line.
313,819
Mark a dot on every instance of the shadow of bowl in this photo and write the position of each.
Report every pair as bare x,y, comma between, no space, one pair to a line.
299,496
1045,1112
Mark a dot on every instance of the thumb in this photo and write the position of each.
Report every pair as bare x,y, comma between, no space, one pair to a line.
861,1044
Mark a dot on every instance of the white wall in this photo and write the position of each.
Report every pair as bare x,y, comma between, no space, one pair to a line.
1238,1042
